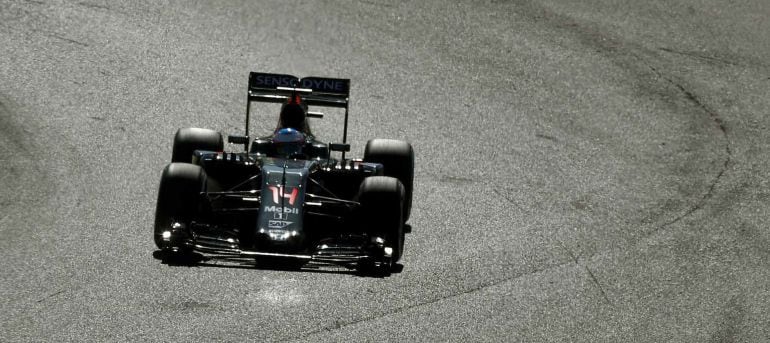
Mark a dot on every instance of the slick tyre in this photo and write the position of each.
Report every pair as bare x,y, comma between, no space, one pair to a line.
381,199
187,140
397,158
178,199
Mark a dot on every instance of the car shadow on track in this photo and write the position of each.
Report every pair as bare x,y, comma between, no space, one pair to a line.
195,259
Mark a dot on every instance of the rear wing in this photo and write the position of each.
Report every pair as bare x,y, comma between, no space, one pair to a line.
315,91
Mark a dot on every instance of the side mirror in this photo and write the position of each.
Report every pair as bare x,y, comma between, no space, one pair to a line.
342,147
237,139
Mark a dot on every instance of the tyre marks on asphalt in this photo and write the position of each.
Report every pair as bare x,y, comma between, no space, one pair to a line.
17,165
645,64
715,117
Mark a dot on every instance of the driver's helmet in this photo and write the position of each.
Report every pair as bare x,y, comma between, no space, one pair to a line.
288,141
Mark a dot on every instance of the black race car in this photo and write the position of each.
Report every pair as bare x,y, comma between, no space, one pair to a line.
285,197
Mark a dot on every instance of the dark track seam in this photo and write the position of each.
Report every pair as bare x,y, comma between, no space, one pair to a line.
338,325
95,6
51,296
598,285
698,56
496,191
54,35
588,270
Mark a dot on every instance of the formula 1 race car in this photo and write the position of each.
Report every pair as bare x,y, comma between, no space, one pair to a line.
285,197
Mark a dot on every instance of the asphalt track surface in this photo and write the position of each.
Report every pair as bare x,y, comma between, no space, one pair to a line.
587,171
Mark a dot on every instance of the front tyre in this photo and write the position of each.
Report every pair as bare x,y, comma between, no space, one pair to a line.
381,199
178,203
397,158
187,140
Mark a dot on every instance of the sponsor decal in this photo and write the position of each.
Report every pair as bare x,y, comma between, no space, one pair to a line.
280,216
318,84
284,210
280,192
325,85
278,224
274,81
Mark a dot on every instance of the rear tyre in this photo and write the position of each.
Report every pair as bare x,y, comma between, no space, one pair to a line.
178,202
381,199
397,158
187,140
